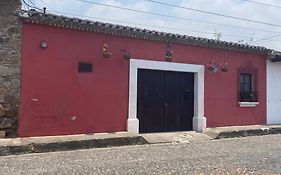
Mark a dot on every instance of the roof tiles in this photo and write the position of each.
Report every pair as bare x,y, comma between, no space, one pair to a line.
133,32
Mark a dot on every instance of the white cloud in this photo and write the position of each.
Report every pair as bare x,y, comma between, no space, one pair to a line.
123,15
232,8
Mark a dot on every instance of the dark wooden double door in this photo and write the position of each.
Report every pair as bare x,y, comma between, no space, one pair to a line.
165,100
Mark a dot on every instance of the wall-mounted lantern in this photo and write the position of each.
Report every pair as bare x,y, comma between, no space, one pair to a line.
126,54
43,44
105,51
169,52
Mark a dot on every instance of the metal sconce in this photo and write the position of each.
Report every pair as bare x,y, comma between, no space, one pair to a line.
126,54
43,44
105,51
169,53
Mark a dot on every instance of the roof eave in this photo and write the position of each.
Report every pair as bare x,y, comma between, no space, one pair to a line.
35,17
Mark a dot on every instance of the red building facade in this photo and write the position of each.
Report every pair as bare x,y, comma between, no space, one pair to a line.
59,98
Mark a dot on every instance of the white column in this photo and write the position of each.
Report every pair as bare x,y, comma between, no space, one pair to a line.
199,120
133,122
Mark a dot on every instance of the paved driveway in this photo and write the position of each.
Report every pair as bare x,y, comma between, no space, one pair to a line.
251,155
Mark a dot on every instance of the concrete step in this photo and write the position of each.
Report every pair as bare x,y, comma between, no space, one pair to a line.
175,137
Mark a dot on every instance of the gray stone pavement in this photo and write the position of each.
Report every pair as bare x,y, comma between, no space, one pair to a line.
246,155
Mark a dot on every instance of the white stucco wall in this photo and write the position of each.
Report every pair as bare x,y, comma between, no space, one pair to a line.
273,92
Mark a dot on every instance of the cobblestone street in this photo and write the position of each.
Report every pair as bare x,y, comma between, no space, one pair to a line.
250,155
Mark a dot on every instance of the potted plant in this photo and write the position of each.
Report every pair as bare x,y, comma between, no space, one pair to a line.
224,67
126,54
212,66
105,51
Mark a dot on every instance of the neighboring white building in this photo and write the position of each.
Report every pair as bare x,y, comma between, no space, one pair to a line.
274,90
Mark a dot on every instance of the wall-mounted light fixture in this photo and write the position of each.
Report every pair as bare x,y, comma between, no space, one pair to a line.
43,44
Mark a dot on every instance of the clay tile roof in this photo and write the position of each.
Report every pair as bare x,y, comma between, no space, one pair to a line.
33,16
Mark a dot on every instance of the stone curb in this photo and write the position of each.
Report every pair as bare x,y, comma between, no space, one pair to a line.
66,145
247,132
70,145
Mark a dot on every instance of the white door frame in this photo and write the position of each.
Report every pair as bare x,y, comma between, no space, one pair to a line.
199,121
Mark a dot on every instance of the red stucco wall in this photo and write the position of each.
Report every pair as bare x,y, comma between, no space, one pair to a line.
56,99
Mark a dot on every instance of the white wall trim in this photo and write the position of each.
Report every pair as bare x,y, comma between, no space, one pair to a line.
199,121
273,93
248,104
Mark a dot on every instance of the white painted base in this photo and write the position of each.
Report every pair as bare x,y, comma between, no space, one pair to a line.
199,123
133,125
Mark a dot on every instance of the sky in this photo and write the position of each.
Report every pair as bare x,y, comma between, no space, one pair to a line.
181,20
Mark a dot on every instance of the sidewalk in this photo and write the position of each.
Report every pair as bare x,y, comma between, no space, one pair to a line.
242,131
15,146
